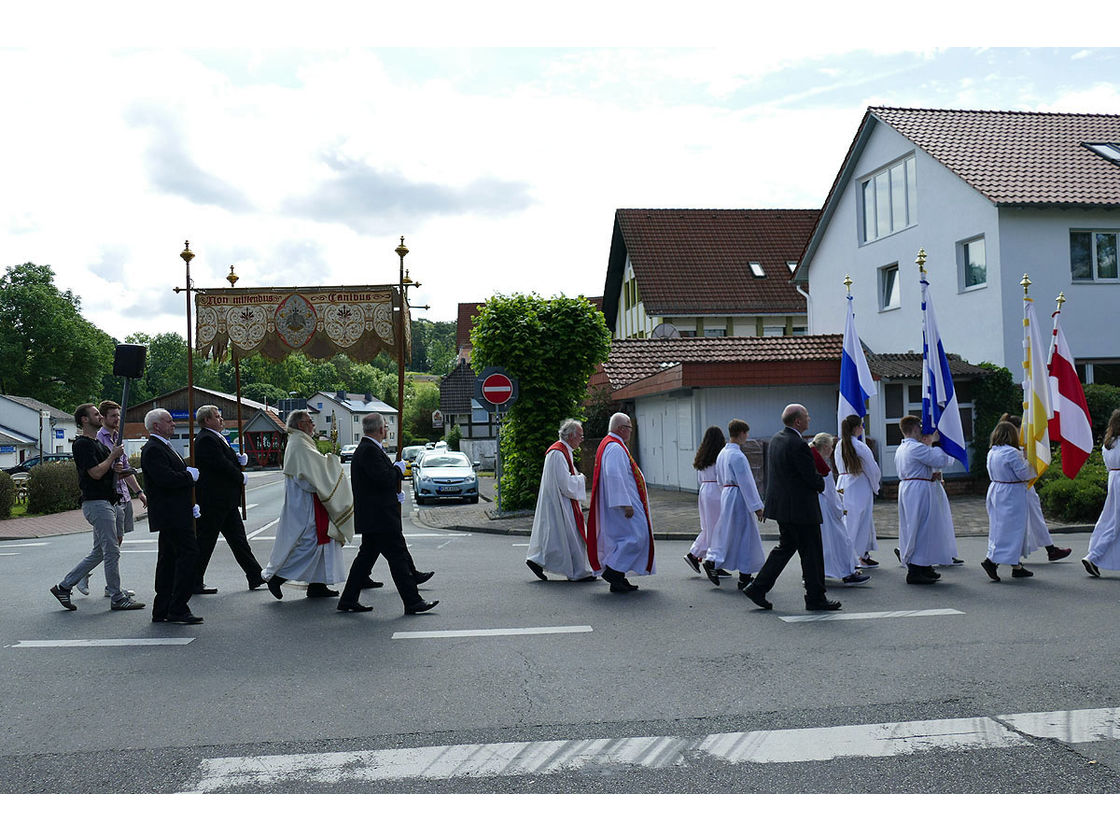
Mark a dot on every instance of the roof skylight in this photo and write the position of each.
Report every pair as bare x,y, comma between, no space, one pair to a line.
1109,151
757,270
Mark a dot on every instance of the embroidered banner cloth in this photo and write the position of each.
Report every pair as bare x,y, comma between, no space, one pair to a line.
319,321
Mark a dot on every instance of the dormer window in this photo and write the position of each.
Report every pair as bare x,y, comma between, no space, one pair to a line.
1109,151
791,265
757,270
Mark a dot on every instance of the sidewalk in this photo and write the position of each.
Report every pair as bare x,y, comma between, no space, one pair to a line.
675,517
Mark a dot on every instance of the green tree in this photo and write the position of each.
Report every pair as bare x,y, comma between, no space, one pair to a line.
551,347
993,395
263,392
420,400
47,349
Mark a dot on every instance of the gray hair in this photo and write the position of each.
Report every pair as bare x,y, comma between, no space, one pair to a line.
616,420
153,416
206,412
372,422
568,428
297,416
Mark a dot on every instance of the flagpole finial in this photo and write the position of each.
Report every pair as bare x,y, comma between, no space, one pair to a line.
1026,284
921,260
1061,298
848,284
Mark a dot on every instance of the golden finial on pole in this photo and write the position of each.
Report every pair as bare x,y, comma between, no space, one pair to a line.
921,260
1061,298
1026,284
231,277
848,284
187,254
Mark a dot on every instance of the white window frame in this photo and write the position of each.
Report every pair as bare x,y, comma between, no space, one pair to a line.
882,273
1093,234
885,185
962,264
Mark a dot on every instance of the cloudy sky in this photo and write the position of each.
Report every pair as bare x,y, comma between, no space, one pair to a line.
300,154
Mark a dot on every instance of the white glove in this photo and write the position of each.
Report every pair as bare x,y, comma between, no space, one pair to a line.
197,513
243,459
400,498
400,465
194,473
244,478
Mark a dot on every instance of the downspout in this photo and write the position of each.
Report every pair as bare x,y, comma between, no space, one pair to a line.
808,309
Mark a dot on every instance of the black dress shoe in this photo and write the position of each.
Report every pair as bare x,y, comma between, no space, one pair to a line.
623,586
537,569
757,597
816,606
320,590
159,619
258,583
370,583
1021,571
274,583
919,578
988,566
189,618
710,571
423,577
419,607
206,590
353,607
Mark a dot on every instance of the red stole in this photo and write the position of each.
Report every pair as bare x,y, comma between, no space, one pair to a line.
592,515
322,521
818,459
561,448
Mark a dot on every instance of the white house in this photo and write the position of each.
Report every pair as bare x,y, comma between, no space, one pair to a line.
345,411
990,196
29,427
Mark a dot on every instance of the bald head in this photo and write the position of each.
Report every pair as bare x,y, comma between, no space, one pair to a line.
796,416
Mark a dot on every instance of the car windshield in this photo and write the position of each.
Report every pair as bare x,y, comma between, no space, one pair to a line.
451,459
410,452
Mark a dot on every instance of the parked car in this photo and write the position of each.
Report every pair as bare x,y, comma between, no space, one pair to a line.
50,458
408,455
445,475
348,452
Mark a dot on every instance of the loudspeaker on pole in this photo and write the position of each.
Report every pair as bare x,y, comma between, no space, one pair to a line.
128,360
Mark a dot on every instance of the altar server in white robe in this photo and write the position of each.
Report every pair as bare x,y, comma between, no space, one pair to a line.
619,527
925,539
1038,533
859,483
1104,544
707,499
558,543
736,542
841,560
1006,502
317,518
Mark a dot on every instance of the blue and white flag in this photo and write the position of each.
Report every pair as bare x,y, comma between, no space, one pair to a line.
856,384
939,401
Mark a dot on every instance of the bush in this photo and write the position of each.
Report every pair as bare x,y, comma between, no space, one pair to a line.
1079,499
1101,400
52,488
453,438
7,495
134,462
993,395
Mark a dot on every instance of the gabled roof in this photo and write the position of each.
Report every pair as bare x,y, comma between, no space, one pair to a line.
456,390
697,262
39,405
9,436
636,358
355,403
909,366
1012,158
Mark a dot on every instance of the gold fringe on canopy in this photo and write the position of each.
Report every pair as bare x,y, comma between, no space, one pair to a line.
319,321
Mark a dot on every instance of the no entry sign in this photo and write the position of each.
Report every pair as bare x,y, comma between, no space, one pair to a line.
495,389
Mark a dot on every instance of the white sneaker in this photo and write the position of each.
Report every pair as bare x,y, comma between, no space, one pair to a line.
126,592
83,585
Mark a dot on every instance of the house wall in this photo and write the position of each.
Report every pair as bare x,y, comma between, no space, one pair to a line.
27,421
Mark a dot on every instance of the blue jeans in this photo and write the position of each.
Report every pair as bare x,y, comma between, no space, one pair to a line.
103,517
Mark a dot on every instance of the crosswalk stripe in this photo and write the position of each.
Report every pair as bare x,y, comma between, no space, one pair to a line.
843,616
46,643
510,631
264,528
521,758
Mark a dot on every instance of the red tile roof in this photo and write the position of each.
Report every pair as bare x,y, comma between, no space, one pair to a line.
1017,157
463,324
698,261
636,358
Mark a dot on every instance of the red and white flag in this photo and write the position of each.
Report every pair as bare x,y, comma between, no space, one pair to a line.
1070,423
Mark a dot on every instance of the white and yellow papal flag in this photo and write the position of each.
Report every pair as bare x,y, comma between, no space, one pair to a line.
1034,435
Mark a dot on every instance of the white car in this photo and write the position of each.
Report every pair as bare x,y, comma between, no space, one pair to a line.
348,452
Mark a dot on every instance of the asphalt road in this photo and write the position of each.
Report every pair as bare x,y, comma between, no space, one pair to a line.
625,696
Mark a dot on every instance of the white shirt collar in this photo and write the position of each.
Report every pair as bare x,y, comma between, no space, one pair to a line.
375,440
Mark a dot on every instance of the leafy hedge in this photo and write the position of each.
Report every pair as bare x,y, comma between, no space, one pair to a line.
1102,400
52,488
1079,499
7,495
993,395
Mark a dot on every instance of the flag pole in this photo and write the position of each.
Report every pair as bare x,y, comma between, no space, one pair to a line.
1026,284
233,278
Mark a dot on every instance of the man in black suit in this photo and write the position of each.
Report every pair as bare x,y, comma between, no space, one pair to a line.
792,485
219,490
377,517
168,482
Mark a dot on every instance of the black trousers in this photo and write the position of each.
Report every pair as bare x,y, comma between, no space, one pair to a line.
803,538
401,567
228,523
176,572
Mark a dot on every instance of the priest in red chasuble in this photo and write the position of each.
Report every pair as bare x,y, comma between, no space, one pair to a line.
558,543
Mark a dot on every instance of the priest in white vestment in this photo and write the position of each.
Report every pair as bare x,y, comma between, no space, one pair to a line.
736,544
317,518
925,539
1006,502
619,528
1104,544
558,543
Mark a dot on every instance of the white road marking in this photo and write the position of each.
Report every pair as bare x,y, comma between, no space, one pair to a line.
250,507
443,536
264,528
511,631
9,554
842,616
139,550
45,643
28,545
524,758
271,537
520,545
